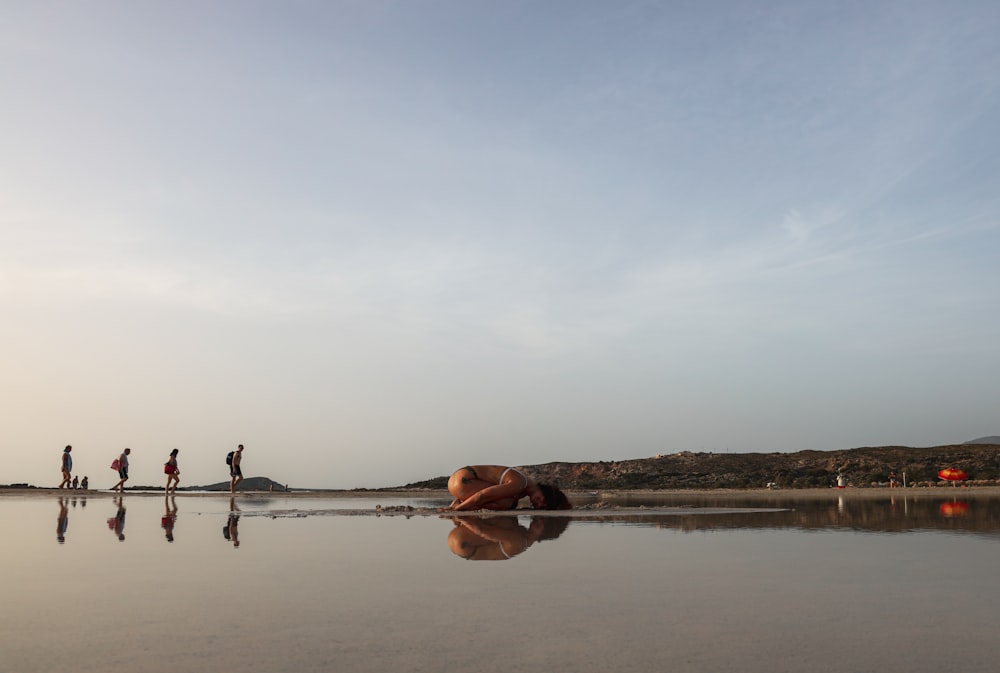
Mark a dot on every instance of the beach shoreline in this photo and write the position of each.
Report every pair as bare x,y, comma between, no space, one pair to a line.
588,496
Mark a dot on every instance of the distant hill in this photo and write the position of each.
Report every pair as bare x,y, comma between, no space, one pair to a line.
248,484
802,469
992,439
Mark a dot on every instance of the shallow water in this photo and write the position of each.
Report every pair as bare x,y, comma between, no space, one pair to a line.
832,585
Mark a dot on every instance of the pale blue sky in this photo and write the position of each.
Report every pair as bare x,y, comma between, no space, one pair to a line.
376,241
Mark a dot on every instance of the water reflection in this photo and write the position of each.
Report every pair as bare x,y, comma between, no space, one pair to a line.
116,524
62,523
868,514
169,517
231,531
953,509
500,538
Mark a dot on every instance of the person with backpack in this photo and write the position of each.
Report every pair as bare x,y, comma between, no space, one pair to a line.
235,472
122,468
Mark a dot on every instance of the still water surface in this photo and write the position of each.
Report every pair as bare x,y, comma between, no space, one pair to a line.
147,583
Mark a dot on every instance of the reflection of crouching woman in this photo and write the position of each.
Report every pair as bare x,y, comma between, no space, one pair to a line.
500,538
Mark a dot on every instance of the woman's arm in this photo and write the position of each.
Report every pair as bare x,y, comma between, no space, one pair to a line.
482,498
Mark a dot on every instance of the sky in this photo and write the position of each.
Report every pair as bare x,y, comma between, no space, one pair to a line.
376,241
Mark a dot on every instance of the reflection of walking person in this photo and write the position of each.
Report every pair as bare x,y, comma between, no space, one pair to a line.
172,472
169,516
231,531
235,471
122,463
67,467
62,522
117,522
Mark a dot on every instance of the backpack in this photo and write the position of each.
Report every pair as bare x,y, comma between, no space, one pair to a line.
229,458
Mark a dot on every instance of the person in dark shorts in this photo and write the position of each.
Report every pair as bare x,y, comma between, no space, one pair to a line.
122,471
67,467
235,471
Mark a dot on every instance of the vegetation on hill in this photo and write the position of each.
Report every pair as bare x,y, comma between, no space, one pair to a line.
803,469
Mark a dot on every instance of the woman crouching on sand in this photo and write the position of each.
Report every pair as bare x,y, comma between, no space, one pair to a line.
498,487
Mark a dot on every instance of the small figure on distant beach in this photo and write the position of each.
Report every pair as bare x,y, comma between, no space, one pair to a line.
841,481
62,523
76,483
122,471
893,480
67,467
497,487
235,471
172,472
85,484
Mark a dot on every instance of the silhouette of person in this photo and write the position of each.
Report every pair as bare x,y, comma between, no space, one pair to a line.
169,517
231,531
117,523
122,471
62,523
235,471
172,471
67,467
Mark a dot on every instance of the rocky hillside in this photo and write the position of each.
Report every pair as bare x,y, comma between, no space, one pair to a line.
992,439
803,469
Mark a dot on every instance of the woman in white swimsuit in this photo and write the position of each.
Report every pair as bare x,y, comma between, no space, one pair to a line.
498,487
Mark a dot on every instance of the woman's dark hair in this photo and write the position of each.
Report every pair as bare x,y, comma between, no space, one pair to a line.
174,452
554,498
552,526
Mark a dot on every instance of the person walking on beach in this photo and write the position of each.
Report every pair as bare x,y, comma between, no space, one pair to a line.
235,471
122,471
67,467
498,487
173,474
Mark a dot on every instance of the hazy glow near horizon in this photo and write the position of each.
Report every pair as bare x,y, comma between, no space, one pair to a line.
378,241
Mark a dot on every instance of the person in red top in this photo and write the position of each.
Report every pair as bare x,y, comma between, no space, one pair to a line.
172,472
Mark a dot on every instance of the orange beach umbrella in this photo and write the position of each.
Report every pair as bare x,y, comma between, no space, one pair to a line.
951,474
